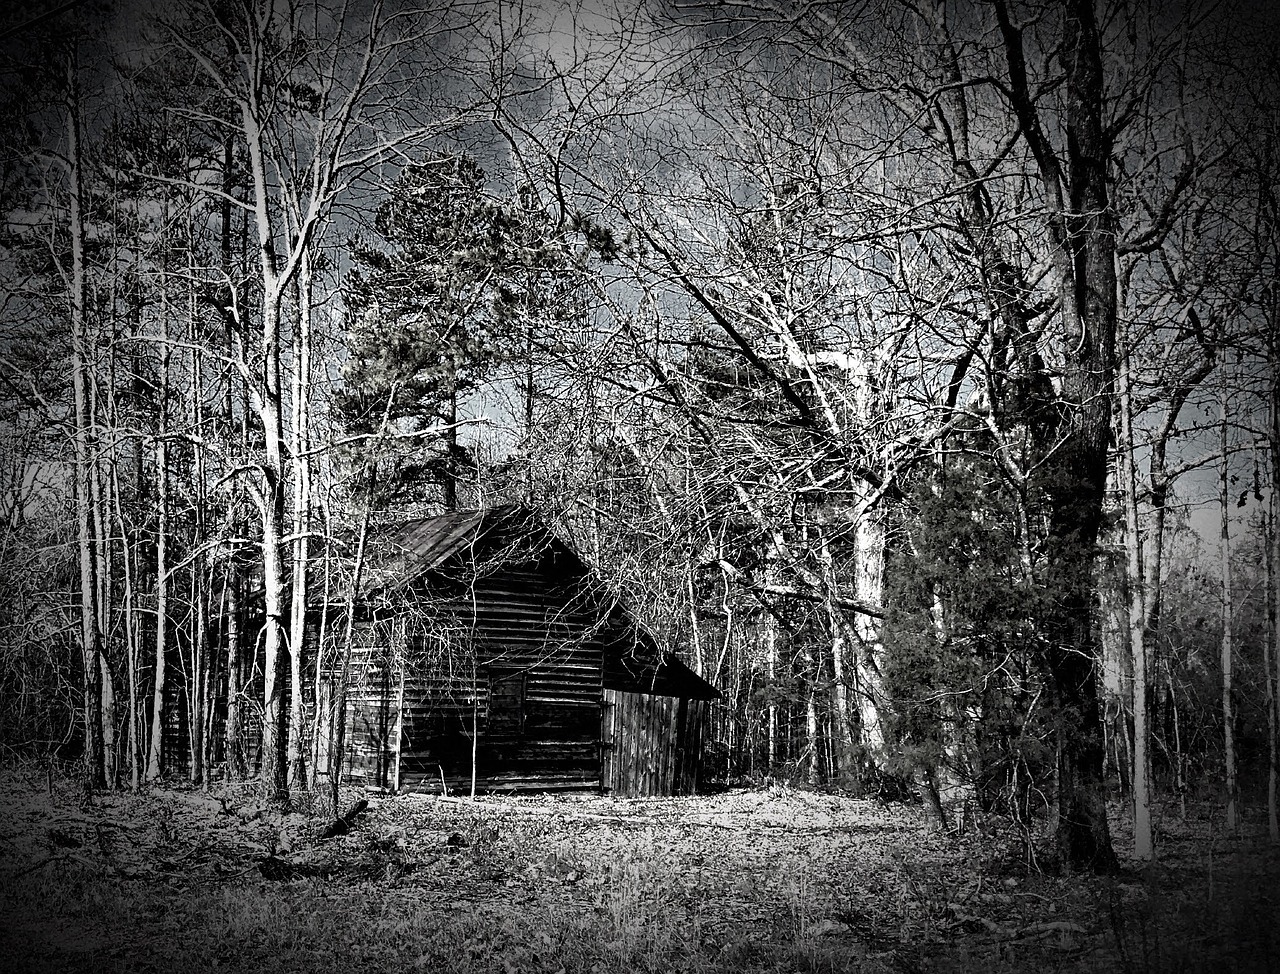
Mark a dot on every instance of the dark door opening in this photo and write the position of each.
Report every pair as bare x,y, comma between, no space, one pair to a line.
506,703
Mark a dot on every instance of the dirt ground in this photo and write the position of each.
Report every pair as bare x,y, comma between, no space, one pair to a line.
769,879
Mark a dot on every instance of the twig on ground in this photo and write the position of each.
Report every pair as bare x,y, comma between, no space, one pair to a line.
32,868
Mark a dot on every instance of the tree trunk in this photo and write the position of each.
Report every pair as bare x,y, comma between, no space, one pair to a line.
869,587
132,637
160,645
1082,227
1228,662
232,744
813,670
114,510
451,446
935,816
231,729
274,732
301,521
83,442
771,664
344,673
265,391
1270,650
99,499
1273,587
155,744
842,743
106,713
1179,757
196,676
1144,848
399,731
322,713
205,668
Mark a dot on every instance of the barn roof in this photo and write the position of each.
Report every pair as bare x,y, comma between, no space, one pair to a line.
414,548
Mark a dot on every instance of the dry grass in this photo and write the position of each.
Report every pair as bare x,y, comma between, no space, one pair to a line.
747,881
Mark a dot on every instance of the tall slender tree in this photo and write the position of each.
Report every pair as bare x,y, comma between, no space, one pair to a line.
309,87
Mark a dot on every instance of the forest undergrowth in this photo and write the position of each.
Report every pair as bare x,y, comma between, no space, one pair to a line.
765,879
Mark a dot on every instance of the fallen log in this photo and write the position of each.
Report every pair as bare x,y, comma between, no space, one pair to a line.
343,825
1048,927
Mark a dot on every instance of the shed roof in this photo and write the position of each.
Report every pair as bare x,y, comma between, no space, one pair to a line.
413,548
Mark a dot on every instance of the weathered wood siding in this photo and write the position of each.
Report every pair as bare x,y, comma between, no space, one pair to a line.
652,744
371,705
510,656
506,658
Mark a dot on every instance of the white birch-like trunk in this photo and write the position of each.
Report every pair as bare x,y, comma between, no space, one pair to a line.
272,511
159,676
842,746
90,634
813,769
771,664
1143,844
232,746
196,679
869,580
1228,716
475,725
131,635
399,731
265,391
301,421
204,704
113,509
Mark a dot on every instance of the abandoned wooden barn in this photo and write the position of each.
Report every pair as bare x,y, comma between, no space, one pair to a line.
486,650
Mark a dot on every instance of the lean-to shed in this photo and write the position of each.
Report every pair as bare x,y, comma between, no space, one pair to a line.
485,647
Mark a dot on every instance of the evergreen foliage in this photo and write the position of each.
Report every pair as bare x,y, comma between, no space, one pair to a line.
963,638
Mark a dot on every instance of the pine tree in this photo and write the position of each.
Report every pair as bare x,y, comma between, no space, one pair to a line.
450,284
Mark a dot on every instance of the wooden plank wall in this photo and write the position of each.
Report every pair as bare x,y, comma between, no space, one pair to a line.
695,736
651,744
371,696
516,624
519,624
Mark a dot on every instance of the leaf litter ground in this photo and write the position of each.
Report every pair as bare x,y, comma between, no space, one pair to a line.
769,879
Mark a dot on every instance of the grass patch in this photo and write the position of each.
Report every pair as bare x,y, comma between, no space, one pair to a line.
90,924
748,881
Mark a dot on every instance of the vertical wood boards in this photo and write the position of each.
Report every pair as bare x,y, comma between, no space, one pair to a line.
651,743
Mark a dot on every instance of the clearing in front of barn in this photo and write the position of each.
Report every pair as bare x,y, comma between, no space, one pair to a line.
774,879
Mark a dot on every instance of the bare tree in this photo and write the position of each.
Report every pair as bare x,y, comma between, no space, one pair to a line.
85,423
308,86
